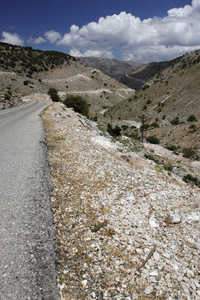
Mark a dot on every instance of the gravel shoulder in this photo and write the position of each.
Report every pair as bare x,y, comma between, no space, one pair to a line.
123,229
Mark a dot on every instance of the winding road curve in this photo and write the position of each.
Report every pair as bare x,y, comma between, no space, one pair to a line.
27,255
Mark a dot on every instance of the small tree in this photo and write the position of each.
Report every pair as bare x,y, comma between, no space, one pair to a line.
192,118
78,103
113,131
175,121
153,140
53,93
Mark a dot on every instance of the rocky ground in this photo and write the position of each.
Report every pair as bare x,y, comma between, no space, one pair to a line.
124,230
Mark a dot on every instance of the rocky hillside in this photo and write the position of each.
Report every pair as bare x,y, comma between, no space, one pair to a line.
29,62
111,67
126,213
25,71
143,76
125,229
169,102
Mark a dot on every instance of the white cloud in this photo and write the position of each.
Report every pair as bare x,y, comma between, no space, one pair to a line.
150,39
38,40
95,53
12,38
126,36
52,36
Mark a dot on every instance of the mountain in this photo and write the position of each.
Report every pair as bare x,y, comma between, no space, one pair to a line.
143,75
111,67
168,99
168,96
25,71
118,202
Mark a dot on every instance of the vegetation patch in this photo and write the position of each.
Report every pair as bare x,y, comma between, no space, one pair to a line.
78,103
192,118
53,93
59,138
99,225
189,153
175,121
151,157
116,131
191,179
172,147
153,140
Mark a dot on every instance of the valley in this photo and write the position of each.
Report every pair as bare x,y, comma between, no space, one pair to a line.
126,212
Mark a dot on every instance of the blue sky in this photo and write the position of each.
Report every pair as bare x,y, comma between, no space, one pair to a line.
139,30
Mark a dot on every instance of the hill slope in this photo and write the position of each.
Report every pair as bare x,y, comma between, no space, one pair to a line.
25,71
171,94
124,229
139,78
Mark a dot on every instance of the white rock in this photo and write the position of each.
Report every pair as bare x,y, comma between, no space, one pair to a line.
153,222
193,217
167,255
190,273
156,256
139,251
154,273
148,290
175,219
84,283
175,267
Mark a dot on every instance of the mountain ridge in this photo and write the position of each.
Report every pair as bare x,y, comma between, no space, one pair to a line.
111,67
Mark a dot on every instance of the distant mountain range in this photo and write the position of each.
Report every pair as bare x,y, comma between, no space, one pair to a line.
111,67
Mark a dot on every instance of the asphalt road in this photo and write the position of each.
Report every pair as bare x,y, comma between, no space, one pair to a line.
27,244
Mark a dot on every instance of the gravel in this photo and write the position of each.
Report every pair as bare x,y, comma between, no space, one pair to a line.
123,229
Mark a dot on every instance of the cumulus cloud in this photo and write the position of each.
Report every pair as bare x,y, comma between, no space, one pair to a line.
95,53
145,40
12,38
38,40
52,36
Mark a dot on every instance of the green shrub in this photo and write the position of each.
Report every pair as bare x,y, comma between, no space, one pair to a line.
53,93
189,153
125,127
151,157
78,103
99,225
172,147
193,127
192,118
175,121
145,126
113,131
148,102
168,166
191,179
155,125
153,140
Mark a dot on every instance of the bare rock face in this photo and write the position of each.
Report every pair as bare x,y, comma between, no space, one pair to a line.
8,102
124,230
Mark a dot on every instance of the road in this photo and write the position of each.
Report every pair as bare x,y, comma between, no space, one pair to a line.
27,254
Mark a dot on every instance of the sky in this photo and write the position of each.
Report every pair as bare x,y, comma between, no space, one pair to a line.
137,30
